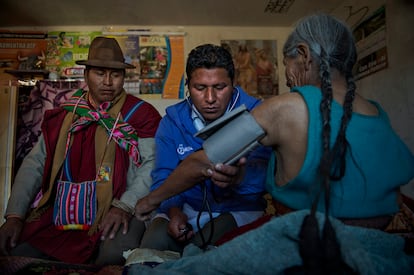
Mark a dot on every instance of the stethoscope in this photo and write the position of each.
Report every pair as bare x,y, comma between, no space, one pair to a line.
198,119
199,123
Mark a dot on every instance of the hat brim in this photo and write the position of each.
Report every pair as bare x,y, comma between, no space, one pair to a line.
105,64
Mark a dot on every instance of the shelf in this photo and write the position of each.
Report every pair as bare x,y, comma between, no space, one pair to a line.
27,73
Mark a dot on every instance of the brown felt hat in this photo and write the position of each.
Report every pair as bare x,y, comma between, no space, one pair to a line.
106,53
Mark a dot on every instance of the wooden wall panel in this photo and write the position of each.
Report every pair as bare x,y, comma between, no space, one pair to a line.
8,122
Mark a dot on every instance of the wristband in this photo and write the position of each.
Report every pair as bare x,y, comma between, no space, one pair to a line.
14,216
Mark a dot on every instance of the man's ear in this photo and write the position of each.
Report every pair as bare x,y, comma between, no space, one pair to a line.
85,74
304,52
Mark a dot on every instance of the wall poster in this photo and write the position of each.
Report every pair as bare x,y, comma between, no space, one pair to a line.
158,60
130,47
64,49
21,53
370,37
256,66
161,59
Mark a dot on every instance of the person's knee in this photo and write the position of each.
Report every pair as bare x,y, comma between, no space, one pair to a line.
156,236
26,250
214,230
109,256
111,250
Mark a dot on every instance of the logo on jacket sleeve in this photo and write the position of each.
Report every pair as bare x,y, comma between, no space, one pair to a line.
181,150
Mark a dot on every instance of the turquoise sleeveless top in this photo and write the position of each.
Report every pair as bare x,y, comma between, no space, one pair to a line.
377,164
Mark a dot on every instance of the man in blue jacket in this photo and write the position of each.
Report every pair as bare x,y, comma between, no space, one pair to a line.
204,213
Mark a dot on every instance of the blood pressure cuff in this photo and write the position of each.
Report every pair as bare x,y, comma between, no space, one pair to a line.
232,137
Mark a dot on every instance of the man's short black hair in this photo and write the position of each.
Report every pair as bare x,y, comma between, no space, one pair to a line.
209,56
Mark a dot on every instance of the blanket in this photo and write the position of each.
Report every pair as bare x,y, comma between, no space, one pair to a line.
273,247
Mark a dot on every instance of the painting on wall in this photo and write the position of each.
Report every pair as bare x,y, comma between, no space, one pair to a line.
256,66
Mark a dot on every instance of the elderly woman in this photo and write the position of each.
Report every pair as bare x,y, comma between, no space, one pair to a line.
334,152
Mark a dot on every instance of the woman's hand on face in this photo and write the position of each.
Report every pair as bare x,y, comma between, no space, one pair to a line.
295,78
296,72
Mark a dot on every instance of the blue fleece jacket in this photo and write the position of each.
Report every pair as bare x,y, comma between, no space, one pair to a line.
175,141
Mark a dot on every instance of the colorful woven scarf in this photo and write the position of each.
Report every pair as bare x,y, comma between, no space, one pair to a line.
123,133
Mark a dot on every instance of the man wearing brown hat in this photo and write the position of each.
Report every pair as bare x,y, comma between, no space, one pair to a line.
74,195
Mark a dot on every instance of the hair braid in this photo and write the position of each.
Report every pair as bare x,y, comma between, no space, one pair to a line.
325,108
330,42
341,144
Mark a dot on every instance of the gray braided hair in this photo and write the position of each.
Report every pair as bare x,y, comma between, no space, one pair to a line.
332,45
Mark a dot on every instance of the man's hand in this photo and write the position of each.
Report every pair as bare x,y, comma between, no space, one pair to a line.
192,170
178,228
226,175
112,222
144,208
9,235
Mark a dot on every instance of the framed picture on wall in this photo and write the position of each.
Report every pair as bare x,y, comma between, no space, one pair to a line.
256,66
